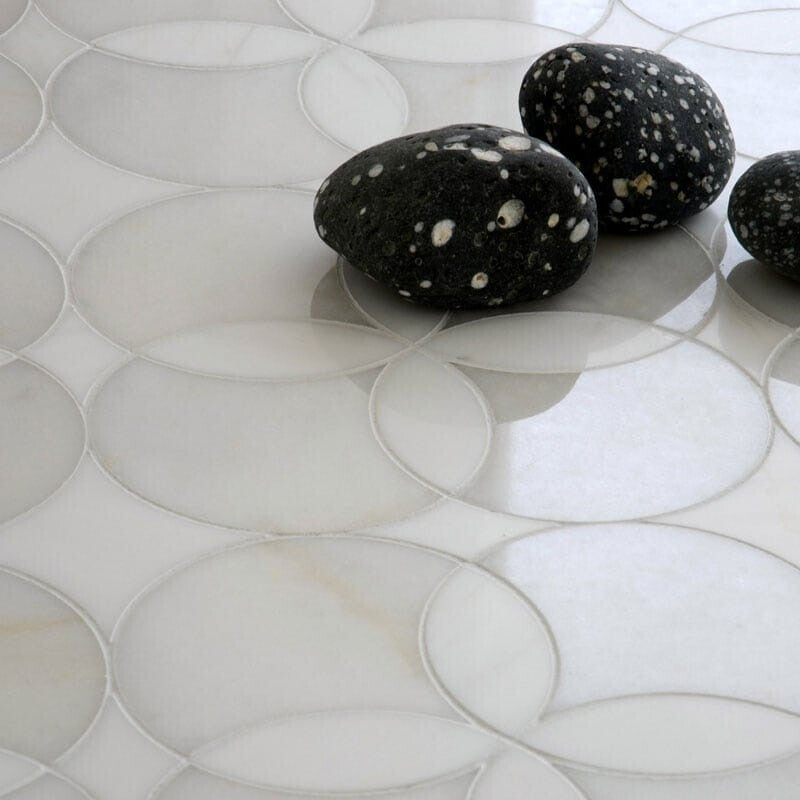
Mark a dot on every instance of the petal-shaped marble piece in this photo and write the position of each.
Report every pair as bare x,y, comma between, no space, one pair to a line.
42,433
668,734
22,107
32,288
52,670
783,385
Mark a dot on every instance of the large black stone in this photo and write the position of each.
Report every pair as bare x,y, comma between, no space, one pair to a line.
649,134
764,212
464,216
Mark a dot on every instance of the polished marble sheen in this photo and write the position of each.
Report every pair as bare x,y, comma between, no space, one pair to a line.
268,532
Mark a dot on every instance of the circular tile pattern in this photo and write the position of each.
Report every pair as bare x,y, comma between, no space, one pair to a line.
284,658
281,457
183,132
22,107
42,434
52,671
31,288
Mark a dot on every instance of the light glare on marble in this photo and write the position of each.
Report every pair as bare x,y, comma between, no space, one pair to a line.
619,446
637,608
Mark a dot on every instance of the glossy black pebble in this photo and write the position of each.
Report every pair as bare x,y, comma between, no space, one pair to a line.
764,212
461,217
649,134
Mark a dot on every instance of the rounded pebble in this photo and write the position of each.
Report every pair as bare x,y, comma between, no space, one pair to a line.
491,216
764,212
649,134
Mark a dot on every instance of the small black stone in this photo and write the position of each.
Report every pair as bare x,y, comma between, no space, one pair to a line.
764,212
461,217
649,134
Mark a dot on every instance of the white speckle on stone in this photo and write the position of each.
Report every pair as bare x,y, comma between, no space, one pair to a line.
363,210
547,267
611,57
571,223
375,170
652,70
743,231
678,79
442,232
491,226
412,248
514,143
620,186
486,155
576,190
419,226
431,147
592,122
355,179
649,217
425,284
545,293
628,93
576,57
504,174
511,213
583,198
683,104
616,206
552,220
456,146
579,231
589,95
459,137
656,117
479,280
404,293
422,154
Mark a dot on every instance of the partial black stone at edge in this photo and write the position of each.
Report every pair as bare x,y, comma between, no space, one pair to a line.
466,216
764,212
650,134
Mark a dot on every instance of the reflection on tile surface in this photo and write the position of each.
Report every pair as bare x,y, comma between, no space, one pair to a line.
318,542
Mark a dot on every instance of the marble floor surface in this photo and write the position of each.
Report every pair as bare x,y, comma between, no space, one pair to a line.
267,531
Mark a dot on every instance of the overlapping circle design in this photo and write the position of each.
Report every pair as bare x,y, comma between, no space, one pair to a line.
268,388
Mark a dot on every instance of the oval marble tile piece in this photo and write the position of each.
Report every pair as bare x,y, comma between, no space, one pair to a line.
52,672
315,624
349,751
277,457
431,420
22,107
194,784
468,41
203,127
682,14
211,44
10,13
619,444
668,734
42,434
210,258
32,288
86,20
640,608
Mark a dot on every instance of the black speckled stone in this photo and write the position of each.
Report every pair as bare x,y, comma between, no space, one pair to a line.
764,212
461,217
649,134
